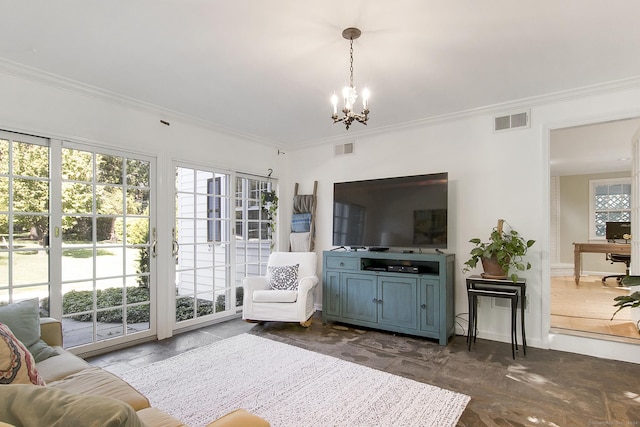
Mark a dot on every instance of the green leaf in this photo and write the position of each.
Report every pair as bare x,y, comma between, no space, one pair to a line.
631,281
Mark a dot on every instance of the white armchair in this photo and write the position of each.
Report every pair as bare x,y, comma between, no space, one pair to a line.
262,303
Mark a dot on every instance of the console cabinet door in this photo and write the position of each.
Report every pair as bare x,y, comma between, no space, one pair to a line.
331,293
429,305
359,297
397,298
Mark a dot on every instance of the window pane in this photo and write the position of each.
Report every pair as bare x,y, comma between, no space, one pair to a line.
30,195
184,308
78,298
4,194
77,264
4,156
109,297
30,266
77,332
138,173
612,203
201,181
138,262
137,202
109,324
137,231
77,229
109,200
109,262
30,160
109,169
185,179
77,165
4,297
138,317
77,198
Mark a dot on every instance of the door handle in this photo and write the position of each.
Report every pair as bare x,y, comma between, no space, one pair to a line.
154,244
175,246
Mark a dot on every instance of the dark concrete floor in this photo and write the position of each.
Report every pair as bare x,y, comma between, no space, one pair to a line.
543,388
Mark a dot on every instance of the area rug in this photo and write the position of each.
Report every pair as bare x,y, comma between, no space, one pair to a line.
289,386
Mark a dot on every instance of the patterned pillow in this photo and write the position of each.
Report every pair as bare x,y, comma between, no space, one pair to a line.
17,365
284,277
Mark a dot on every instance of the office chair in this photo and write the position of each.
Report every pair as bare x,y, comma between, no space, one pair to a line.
618,258
613,232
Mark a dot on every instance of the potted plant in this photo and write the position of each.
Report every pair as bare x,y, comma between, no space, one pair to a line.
629,301
503,252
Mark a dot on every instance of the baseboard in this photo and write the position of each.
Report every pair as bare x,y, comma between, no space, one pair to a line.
562,269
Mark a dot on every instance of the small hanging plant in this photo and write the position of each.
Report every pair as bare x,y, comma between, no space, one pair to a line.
269,202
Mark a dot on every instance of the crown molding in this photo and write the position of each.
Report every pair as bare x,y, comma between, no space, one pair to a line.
63,83
59,82
493,109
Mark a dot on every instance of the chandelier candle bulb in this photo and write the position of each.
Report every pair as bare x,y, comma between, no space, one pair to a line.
334,102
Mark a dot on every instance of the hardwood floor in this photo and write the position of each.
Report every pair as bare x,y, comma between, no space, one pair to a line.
589,307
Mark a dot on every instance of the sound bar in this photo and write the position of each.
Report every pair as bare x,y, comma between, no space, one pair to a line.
403,269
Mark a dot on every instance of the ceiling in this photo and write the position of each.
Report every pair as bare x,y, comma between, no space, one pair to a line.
269,68
595,148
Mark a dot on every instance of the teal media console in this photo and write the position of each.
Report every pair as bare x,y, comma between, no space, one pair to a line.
399,292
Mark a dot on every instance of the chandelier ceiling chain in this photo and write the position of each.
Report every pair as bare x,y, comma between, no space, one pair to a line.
351,64
349,93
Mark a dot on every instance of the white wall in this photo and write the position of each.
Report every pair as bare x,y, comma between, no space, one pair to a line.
86,115
503,175
491,175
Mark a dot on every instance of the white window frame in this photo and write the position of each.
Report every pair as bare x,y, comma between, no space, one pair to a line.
592,194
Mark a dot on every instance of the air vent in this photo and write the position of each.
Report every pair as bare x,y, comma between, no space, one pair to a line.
344,149
511,121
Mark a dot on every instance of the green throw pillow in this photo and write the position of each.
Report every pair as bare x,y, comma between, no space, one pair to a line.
23,318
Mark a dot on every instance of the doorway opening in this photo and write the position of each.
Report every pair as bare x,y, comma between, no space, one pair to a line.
582,157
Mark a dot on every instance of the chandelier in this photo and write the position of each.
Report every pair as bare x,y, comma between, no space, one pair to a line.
349,92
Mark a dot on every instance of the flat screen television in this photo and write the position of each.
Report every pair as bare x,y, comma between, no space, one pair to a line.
407,211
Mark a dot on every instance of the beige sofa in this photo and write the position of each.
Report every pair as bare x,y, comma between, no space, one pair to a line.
76,384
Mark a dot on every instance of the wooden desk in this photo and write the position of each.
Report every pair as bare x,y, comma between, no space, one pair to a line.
600,248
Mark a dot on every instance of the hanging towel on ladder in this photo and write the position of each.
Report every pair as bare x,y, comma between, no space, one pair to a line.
303,203
300,242
301,222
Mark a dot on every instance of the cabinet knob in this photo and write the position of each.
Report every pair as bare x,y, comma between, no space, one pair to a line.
342,264
423,306
375,301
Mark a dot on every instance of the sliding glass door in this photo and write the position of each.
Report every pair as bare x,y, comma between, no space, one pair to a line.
76,231
106,245
221,235
253,231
